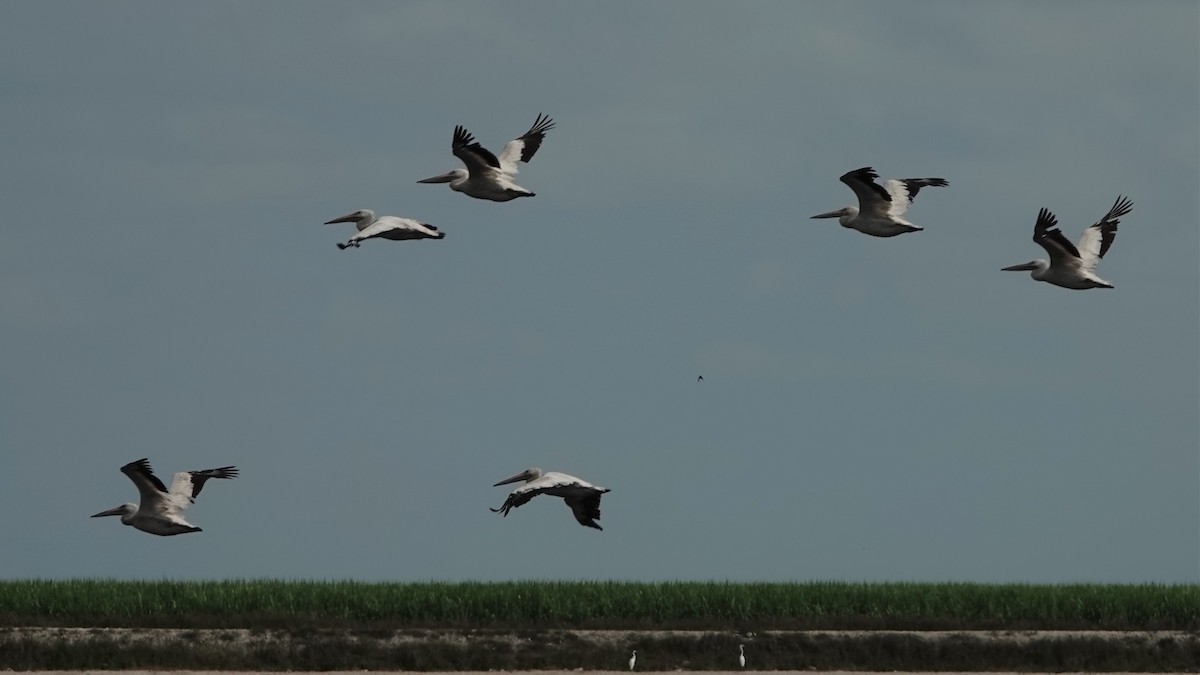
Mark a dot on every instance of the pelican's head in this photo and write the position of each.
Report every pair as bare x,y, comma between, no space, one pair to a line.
356,217
532,473
1037,268
450,176
126,511
844,215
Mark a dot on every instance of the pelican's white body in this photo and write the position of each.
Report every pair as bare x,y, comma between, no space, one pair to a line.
1073,265
580,495
160,510
488,176
385,227
880,208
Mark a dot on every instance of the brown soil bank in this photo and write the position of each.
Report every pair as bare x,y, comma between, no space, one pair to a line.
483,650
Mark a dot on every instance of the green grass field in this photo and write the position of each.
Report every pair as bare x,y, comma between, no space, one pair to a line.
512,605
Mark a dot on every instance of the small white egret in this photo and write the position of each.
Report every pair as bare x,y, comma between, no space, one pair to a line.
633,660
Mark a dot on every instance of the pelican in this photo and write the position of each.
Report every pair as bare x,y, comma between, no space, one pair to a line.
580,495
879,208
1071,266
742,655
385,227
633,660
487,177
160,511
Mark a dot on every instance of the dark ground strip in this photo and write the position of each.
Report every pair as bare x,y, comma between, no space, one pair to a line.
315,650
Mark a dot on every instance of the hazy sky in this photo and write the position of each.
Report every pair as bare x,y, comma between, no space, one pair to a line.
872,409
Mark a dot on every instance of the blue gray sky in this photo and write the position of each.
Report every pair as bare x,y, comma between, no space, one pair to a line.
872,409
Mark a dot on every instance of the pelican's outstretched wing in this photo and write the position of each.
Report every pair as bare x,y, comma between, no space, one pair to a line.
399,229
586,508
526,146
873,200
478,159
149,486
190,483
515,498
904,190
1099,237
1047,235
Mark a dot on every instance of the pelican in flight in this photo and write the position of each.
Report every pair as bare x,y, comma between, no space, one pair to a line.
1071,266
580,495
161,510
489,177
385,227
880,208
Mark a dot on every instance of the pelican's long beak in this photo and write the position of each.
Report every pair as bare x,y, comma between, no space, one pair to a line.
444,178
1023,267
830,214
524,475
111,512
348,218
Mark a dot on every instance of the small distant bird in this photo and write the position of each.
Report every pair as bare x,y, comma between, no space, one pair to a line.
488,176
1072,267
580,495
161,510
742,655
385,227
880,207
633,660
699,378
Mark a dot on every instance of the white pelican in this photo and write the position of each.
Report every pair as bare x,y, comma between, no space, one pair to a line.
580,495
1072,267
879,208
742,655
633,660
489,177
160,511
385,227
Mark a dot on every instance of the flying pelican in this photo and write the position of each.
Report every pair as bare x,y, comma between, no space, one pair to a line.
580,495
879,208
385,227
489,177
633,660
1072,267
160,511
742,655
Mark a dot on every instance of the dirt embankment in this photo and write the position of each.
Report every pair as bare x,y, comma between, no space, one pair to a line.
227,650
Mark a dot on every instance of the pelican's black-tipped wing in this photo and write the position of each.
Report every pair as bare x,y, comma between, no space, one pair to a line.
474,155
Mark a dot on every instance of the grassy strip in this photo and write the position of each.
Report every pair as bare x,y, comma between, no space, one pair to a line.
478,650
388,606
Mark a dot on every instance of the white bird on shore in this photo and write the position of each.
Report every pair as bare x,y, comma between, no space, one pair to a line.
880,207
1069,266
488,176
385,227
580,495
742,655
160,511
633,660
